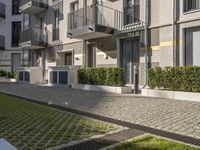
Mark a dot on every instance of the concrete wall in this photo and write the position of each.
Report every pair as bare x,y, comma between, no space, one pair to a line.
161,17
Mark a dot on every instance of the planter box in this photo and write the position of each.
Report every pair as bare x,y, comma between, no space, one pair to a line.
3,79
99,88
176,95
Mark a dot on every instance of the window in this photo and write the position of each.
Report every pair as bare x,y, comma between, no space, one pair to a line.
73,17
56,25
68,59
16,29
190,5
15,7
132,11
74,6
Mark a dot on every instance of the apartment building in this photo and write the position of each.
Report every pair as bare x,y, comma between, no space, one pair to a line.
11,55
60,35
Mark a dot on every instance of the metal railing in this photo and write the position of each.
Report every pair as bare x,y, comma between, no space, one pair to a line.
55,34
93,15
106,16
2,42
35,35
2,10
41,2
191,5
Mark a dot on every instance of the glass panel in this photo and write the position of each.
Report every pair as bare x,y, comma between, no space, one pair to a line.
68,59
63,77
53,77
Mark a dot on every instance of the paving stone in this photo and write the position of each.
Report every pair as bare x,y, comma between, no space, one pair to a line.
170,115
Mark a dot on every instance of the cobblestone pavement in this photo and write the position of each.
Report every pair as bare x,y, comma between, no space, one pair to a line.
180,117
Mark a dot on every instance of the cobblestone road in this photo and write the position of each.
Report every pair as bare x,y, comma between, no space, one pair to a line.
180,117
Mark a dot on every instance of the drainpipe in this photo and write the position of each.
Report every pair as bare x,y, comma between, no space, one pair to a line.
174,32
146,43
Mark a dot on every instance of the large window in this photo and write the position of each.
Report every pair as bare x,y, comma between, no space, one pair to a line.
15,7
190,5
68,59
132,11
16,29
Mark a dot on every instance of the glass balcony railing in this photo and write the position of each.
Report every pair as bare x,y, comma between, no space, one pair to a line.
35,35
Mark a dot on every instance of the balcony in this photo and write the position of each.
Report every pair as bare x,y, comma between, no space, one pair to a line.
2,11
33,38
2,42
55,34
33,7
95,21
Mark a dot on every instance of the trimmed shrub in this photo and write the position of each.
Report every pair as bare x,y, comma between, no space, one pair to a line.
9,75
175,78
3,73
101,76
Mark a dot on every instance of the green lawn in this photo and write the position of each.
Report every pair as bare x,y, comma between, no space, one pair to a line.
149,142
28,125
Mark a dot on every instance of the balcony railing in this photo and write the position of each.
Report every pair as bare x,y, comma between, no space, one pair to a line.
2,10
42,3
55,34
128,21
33,6
191,5
2,42
93,15
35,35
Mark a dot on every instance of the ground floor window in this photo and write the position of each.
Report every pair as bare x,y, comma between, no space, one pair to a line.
192,51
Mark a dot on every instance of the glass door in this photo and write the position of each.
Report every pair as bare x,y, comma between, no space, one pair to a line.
129,58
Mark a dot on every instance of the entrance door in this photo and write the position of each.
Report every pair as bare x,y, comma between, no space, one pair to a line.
16,61
91,55
129,58
33,59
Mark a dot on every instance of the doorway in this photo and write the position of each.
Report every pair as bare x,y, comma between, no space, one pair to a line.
91,55
16,61
129,58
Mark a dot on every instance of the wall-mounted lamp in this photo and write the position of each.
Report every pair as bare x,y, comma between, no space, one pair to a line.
70,34
91,29
105,56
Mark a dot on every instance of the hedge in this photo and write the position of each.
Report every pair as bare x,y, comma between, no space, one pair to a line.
175,78
101,76
3,73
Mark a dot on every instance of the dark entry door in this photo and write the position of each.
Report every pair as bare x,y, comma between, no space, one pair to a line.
91,55
129,58
16,61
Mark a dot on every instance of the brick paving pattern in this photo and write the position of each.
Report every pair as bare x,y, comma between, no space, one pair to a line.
175,116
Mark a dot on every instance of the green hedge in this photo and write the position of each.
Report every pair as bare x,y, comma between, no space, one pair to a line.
175,78
101,76
3,73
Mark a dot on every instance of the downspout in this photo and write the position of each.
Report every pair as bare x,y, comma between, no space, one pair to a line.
174,32
146,42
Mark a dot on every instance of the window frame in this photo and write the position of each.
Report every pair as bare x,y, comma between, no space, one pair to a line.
17,37
16,3
191,5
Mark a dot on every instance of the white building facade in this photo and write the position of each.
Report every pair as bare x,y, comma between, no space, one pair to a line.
11,55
